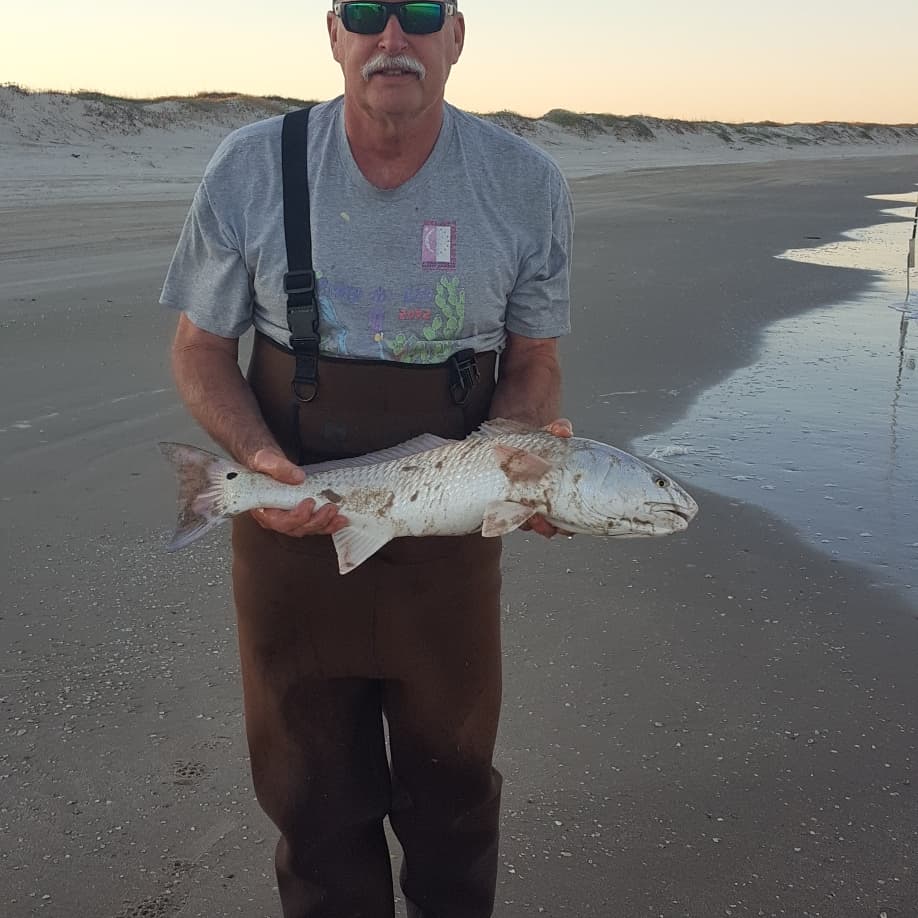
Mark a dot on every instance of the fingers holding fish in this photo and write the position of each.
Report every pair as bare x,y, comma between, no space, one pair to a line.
271,461
560,427
303,520
540,525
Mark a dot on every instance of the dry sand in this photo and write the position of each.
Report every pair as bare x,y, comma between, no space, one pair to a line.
720,723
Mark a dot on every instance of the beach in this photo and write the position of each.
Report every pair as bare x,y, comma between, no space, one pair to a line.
717,723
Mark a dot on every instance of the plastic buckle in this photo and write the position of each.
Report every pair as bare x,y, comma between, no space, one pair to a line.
306,375
300,282
464,373
303,322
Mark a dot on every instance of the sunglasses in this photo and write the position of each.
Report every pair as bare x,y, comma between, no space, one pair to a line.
416,17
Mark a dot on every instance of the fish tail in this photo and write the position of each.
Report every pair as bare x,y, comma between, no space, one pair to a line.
201,496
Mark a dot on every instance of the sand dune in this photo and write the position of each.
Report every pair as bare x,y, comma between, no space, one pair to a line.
46,137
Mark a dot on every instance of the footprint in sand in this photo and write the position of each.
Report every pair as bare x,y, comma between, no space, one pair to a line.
187,772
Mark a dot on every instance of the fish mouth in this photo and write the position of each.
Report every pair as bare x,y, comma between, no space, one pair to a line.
684,513
667,521
655,522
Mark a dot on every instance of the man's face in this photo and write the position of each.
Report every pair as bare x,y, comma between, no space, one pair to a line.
394,73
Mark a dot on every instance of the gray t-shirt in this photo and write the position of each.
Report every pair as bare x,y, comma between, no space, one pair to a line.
476,243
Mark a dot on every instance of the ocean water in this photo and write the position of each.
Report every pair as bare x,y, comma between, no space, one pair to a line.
823,429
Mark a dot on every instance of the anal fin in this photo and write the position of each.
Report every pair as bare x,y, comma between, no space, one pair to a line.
356,543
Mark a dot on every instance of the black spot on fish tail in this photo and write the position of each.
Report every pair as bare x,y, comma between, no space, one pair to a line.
201,500
332,496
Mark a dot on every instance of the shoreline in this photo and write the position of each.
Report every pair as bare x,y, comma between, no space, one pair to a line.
670,279
841,290
636,408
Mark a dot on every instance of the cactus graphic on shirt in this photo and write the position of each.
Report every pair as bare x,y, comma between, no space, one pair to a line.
445,327
436,342
401,345
411,349
451,302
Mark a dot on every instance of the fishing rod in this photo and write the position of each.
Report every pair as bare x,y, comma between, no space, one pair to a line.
910,263
908,309
908,312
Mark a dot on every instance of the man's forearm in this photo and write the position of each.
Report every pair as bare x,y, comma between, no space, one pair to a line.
529,389
220,400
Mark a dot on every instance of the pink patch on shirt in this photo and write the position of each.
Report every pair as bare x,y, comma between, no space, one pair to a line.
438,245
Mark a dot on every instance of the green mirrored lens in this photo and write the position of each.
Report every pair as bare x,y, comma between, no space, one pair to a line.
421,18
365,18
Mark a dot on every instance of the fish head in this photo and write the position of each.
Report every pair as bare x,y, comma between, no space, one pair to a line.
610,492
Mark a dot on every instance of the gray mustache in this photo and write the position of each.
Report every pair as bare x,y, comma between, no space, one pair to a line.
398,62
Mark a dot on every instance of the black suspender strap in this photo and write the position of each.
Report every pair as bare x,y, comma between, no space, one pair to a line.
300,279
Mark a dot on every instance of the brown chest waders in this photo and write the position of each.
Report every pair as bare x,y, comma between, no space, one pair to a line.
412,634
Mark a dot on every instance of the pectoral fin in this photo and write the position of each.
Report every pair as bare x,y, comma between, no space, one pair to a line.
503,516
518,465
356,543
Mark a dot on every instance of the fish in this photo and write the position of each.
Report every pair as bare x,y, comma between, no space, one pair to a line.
492,482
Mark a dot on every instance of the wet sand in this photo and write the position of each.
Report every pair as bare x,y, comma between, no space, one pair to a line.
720,723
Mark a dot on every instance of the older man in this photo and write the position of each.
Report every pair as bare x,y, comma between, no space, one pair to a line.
438,241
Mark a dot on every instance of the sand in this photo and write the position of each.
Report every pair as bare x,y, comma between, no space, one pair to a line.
719,723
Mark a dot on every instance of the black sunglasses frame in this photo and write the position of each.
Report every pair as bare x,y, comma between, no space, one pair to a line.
339,8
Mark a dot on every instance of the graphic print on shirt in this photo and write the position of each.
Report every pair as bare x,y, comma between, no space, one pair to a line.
377,327
444,326
420,323
438,245
332,334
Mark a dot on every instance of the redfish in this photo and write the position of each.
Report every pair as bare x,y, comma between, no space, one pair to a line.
492,482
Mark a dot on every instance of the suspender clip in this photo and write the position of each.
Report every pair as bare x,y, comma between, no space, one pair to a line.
463,374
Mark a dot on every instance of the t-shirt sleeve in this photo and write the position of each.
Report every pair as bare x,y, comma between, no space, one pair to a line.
208,278
539,306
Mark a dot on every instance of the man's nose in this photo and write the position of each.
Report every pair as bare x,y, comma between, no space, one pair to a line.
392,39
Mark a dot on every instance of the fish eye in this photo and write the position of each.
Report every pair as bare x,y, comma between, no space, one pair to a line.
661,482
231,475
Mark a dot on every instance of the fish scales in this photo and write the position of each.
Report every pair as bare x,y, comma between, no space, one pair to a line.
440,492
493,482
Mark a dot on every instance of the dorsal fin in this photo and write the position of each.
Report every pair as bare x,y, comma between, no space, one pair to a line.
502,426
422,444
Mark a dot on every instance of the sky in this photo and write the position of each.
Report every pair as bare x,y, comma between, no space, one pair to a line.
725,60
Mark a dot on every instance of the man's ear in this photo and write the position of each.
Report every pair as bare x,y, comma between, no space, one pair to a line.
458,36
334,26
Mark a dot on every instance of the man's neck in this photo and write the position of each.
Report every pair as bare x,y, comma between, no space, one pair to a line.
390,150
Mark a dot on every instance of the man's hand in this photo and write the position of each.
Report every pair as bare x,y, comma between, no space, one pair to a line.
561,427
302,520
